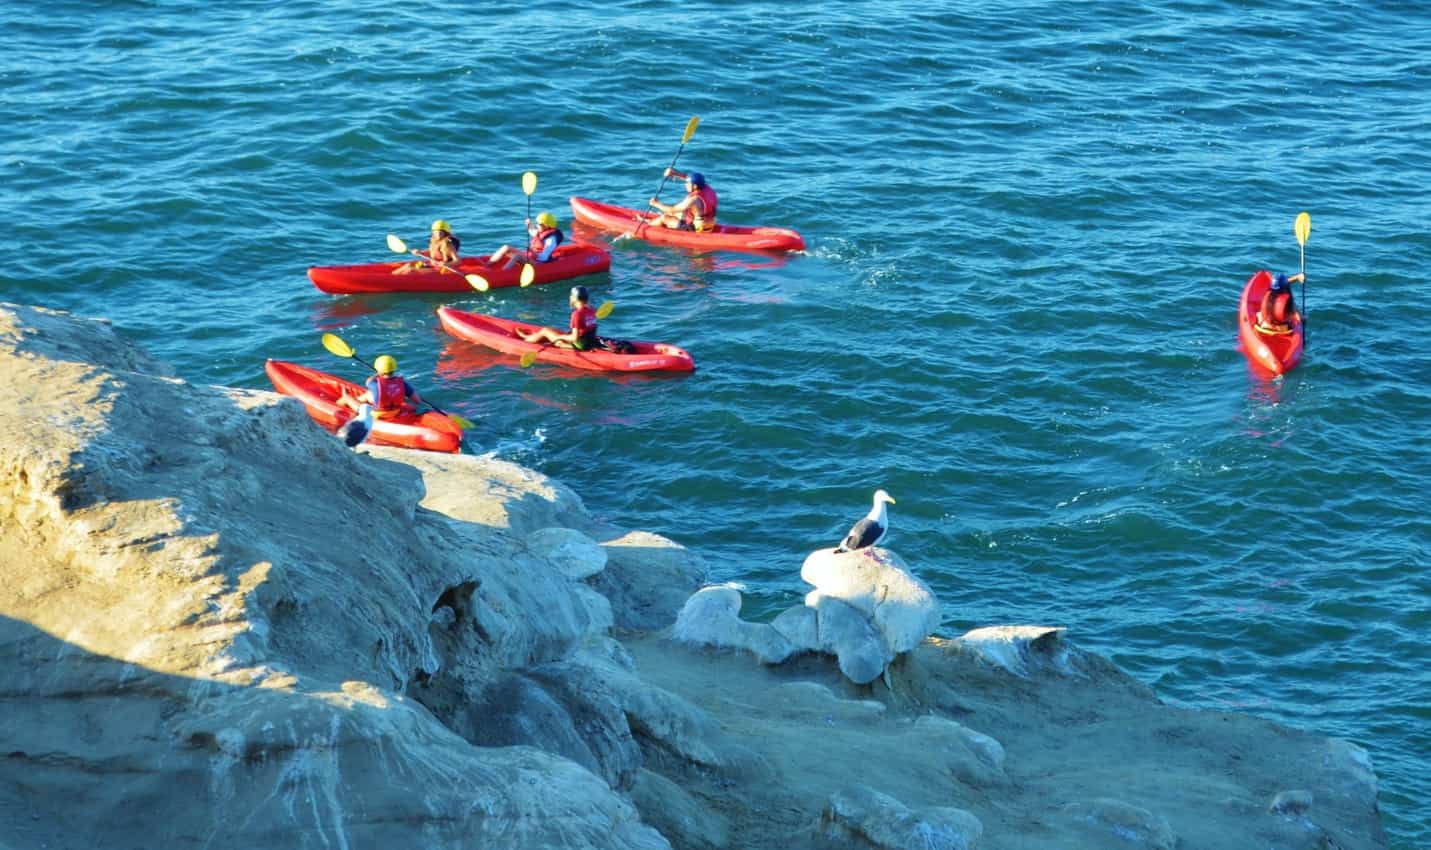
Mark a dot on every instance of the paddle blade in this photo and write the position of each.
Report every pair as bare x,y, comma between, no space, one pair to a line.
460,421
478,282
605,310
690,128
336,345
396,245
1303,228
527,360
529,182
529,274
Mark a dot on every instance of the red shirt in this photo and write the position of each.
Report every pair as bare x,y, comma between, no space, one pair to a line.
583,321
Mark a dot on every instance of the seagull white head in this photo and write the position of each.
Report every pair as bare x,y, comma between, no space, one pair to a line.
882,496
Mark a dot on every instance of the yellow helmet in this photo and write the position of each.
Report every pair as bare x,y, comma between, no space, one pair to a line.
546,219
441,225
386,364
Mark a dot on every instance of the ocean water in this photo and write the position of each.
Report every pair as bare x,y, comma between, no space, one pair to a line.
1028,224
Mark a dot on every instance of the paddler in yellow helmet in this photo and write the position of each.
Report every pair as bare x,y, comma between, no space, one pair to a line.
388,392
442,246
545,237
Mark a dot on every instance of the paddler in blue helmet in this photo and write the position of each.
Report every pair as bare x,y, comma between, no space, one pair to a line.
1278,310
696,211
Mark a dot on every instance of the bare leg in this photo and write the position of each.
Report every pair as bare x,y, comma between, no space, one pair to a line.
547,335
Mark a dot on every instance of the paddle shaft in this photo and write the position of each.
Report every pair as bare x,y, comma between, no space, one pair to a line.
1302,247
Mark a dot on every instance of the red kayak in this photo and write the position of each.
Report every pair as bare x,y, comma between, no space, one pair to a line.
501,335
725,237
319,392
1270,351
568,261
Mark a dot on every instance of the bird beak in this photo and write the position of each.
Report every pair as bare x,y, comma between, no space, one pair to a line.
891,499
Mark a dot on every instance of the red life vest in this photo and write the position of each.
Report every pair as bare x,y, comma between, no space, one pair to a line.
538,243
389,395
706,197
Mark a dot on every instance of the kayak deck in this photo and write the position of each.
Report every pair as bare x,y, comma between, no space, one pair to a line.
502,335
724,237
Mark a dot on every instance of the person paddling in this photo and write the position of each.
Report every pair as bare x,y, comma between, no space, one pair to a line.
582,335
442,246
1278,311
696,211
545,237
388,392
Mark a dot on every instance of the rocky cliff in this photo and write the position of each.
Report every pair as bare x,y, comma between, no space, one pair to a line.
220,628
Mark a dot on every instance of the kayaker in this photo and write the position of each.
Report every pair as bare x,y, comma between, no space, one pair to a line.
388,392
545,237
442,246
1279,310
696,211
582,335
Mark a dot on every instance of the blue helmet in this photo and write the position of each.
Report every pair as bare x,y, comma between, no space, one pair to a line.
580,294
1279,283
697,179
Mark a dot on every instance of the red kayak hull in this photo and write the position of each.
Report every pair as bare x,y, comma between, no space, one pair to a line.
501,335
725,237
319,392
1272,353
568,261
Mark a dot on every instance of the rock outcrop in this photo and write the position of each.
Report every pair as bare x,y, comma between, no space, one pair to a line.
866,609
220,628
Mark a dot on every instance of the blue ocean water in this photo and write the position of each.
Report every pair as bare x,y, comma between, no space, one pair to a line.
1027,223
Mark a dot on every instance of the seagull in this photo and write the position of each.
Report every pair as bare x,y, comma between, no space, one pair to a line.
356,430
870,530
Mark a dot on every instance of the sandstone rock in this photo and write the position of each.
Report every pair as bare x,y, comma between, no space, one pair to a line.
227,607
711,617
878,820
682,819
878,583
975,759
798,625
573,554
1291,803
1349,769
1131,825
647,577
851,636
1020,649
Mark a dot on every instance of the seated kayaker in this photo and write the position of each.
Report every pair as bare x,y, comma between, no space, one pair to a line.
545,237
582,335
696,211
1278,310
388,392
442,246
